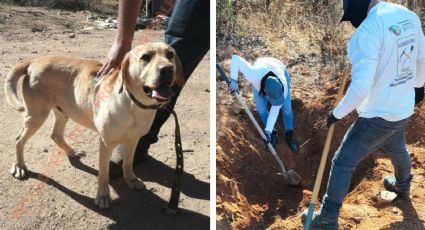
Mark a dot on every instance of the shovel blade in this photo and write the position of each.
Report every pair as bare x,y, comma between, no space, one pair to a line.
292,177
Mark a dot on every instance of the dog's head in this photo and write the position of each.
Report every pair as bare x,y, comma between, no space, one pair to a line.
150,70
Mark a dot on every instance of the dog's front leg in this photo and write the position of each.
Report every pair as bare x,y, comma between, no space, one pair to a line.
103,197
130,178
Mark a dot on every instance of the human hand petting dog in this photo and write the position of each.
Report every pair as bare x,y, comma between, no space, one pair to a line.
114,58
127,14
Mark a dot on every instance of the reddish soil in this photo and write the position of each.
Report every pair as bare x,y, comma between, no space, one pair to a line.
250,194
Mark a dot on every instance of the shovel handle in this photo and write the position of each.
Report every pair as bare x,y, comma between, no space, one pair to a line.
260,131
325,153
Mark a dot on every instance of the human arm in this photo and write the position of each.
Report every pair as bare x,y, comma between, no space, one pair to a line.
127,16
271,119
364,57
238,64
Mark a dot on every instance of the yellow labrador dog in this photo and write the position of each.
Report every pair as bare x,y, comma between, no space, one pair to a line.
120,107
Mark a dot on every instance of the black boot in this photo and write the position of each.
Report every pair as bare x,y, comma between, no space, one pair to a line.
141,154
274,139
142,149
292,143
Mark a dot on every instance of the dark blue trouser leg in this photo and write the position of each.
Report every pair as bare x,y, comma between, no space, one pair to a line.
188,33
364,136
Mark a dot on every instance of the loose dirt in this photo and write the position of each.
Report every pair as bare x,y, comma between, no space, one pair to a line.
250,194
59,193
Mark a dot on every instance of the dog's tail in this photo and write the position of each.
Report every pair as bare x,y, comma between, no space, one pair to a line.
11,86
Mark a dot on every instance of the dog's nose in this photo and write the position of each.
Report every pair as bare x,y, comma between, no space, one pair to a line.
166,73
166,70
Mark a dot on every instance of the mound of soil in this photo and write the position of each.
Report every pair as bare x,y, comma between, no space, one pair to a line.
250,194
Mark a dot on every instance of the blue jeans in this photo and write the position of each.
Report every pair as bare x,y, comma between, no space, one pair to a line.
364,137
188,32
261,105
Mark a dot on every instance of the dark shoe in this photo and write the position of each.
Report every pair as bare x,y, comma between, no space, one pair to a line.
141,153
273,139
142,149
320,222
390,185
292,143
115,164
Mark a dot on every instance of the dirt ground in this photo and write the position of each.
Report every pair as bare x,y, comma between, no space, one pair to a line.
250,194
59,193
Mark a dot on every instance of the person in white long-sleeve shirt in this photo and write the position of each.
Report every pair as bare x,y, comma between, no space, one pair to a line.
387,53
270,84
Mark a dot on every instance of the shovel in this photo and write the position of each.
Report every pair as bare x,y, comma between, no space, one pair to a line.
325,155
291,176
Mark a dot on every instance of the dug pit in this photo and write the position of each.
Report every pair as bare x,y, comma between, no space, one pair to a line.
250,194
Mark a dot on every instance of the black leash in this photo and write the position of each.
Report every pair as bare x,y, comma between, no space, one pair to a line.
173,203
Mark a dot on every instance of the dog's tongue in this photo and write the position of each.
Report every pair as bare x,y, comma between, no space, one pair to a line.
162,93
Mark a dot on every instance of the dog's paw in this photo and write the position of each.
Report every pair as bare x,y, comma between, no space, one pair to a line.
76,154
135,183
18,171
103,201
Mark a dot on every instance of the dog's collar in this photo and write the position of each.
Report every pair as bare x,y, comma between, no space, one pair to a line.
140,104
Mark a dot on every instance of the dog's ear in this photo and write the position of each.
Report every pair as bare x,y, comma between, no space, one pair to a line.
125,64
180,79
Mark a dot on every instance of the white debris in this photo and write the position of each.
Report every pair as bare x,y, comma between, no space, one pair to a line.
388,196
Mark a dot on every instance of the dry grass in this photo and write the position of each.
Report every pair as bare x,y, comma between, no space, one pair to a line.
106,7
307,36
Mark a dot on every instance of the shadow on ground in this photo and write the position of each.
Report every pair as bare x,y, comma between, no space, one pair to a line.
140,209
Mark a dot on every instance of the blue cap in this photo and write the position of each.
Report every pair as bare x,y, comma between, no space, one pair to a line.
274,91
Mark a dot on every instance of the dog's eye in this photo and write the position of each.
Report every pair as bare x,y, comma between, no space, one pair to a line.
145,58
170,54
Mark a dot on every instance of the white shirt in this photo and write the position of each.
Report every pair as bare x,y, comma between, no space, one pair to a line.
387,53
254,73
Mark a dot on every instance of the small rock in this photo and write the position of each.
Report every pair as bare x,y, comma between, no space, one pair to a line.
72,36
291,211
88,28
357,219
37,29
394,210
388,196
43,149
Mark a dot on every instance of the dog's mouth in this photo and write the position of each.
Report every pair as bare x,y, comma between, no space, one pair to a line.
162,93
